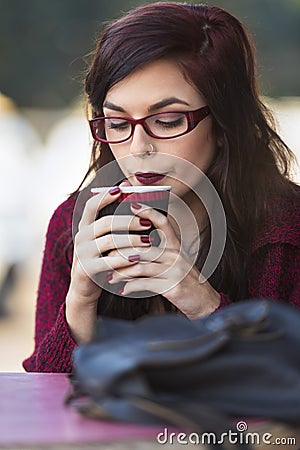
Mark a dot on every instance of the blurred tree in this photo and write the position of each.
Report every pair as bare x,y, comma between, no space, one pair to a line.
275,26
42,47
43,44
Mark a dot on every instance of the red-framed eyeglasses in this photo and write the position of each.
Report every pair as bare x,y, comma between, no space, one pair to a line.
164,125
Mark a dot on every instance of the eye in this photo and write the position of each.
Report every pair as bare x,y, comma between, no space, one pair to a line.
117,124
170,123
169,120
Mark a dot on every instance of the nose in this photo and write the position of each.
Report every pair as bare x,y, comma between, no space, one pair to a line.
139,143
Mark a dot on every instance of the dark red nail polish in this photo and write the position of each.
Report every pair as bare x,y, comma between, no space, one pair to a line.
145,222
134,258
145,239
136,205
114,190
109,276
120,292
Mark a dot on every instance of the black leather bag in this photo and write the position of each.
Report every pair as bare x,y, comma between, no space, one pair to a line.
242,361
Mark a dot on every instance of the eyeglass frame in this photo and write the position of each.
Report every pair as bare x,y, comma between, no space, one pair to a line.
192,117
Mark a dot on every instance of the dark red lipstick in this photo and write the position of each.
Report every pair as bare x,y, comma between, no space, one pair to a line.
149,177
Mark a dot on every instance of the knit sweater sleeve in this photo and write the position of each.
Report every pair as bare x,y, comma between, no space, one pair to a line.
53,342
274,270
275,273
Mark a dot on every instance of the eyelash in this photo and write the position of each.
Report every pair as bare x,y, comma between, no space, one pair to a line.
172,124
119,126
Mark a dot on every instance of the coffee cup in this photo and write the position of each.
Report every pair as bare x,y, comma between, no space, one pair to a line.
155,196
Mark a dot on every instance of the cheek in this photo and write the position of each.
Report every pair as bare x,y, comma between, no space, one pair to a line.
208,151
114,151
199,149
119,154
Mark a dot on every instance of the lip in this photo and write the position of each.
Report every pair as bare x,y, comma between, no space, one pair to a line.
149,177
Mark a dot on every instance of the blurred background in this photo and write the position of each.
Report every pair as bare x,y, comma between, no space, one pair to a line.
44,139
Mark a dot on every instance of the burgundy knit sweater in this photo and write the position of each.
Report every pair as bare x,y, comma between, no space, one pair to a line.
274,272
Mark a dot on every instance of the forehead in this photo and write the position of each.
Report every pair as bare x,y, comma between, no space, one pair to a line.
152,83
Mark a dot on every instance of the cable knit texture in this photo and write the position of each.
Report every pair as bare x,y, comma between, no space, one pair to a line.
274,272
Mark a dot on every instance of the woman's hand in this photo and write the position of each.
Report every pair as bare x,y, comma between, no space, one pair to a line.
166,270
90,268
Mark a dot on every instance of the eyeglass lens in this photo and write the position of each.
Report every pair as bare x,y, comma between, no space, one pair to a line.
162,125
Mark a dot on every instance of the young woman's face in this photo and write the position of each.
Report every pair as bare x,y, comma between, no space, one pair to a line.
160,87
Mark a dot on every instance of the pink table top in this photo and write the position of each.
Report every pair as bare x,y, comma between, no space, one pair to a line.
32,412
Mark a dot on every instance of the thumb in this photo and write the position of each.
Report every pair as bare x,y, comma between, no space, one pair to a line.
125,183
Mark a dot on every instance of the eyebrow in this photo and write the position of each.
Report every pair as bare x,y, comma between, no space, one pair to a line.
156,106
110,105
166,102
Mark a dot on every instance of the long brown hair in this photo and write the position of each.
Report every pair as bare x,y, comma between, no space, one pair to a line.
215,53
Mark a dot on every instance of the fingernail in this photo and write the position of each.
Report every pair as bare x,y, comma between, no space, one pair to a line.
114,190
109,276
145,222
125,183
120,292
146,239
136,205
134,258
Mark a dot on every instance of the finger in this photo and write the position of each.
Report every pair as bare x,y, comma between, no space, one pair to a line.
154,261
112,263
148,254
112,223
118,241
96,203
98,267
125,183
156,285
139,270
159,220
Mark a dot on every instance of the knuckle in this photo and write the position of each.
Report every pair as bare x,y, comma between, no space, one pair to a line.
112,253
105,223
82,236
138,270
162,221
77,239
105,241
134,223
89,203
81,225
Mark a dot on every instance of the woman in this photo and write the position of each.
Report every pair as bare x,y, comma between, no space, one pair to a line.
189,72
